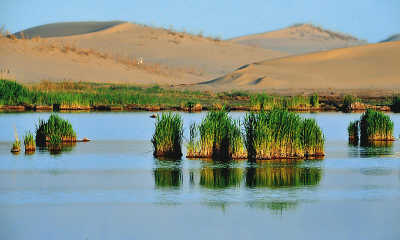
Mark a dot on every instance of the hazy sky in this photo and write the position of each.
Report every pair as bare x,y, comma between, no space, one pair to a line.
372,20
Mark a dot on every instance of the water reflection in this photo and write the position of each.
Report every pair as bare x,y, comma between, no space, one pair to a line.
167,173
64,148
221,176
277,207
373,149
276,175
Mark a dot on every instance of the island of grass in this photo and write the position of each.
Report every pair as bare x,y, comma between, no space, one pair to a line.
54,132
218,137
375,126
167,138
353,131
279,134
29,142
373,129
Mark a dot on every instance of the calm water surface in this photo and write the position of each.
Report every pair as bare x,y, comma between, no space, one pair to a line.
113,188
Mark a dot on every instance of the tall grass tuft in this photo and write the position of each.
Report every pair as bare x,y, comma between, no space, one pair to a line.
375,126
279,134
353,131
218,136
29,142
167,138
263,101
16,147
55,127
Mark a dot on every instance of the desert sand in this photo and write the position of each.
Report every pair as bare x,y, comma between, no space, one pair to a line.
109,52
299,39
371,67
183,58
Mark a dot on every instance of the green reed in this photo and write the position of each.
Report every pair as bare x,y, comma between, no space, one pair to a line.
266,102
218,136
167,138
29,142
353,131
375,126
54,126
281,134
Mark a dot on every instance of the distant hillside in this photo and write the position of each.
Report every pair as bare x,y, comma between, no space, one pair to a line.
66,29
373,67
299,38
392,38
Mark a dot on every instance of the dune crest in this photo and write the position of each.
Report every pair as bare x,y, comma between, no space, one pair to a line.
298,39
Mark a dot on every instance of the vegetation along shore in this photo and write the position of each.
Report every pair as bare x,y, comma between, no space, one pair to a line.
85,96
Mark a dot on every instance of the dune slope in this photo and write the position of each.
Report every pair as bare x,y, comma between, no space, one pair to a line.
66,29
298,39
373,67
204,57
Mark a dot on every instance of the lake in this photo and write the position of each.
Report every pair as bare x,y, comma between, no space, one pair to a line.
113,187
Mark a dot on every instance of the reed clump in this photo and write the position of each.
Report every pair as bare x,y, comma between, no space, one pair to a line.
29,142
353,130
16,147
167,138
218,136
279,134
375,126
55,128
259,102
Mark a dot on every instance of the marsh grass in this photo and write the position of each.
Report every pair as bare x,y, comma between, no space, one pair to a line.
353,131
260,102
218,136
375,126
16,147
348,100
167,138
29,142
279,134
54,129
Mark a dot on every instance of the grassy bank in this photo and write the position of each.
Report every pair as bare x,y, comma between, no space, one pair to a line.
49,96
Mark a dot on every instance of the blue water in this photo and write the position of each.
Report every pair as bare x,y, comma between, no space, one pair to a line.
113,188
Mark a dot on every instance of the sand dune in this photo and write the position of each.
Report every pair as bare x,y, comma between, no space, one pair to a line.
173,49
35,60
188,58
370,67
392,38
66,29
298,39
